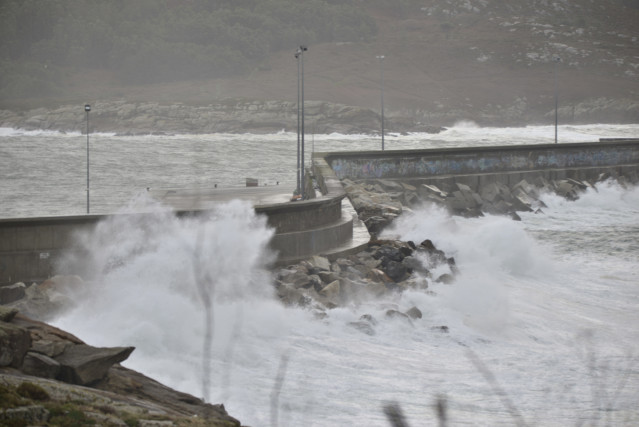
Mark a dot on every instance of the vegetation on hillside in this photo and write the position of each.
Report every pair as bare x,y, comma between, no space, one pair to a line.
153,41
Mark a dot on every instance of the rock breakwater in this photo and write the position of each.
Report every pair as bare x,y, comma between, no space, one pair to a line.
379,201
385,268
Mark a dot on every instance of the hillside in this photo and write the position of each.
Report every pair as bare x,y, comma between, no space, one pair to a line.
445,61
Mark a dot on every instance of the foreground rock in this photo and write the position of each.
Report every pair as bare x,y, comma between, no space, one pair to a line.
68,373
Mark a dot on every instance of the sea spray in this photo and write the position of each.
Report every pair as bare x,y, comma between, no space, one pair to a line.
150,275
549,332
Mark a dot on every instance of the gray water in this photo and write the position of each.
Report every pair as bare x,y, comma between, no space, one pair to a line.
45,173
548,304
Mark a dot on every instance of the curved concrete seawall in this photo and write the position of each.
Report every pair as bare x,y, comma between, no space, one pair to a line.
29,247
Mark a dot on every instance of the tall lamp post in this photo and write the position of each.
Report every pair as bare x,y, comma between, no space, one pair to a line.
381,74
299,55
87,108
556,59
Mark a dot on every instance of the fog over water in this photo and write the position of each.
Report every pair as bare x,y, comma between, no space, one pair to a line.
547,305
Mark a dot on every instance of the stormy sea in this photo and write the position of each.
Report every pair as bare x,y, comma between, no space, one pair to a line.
542,320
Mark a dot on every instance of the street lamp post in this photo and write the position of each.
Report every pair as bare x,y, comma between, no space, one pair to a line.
87,108
556,59
299,54
381,73
297,57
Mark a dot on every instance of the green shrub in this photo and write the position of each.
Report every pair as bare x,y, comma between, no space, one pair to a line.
68,415
9,398
32,391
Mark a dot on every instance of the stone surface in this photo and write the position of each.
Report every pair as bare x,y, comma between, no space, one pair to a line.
30,415
40,365
14,344
23,344
83,364
414,313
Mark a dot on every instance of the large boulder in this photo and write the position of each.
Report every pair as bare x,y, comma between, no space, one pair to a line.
83,364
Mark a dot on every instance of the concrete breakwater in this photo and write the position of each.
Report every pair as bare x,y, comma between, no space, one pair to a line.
470,182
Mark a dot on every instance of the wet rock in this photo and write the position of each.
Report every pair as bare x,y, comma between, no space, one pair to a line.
375,224
414,265
523,202
395,270
442,329
315,282
435,256
432,193
395,314
368,318
389,185
320,263
363,326
328,276
567,190
446,279
414,313
331,291
290,295
388,253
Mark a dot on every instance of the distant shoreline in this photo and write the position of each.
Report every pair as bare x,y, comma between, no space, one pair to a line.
237,116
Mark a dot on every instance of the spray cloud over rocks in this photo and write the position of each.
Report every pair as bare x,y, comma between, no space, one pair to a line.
518,307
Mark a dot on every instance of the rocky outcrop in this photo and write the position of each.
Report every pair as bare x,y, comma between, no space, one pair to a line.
224,116
32,352
42,350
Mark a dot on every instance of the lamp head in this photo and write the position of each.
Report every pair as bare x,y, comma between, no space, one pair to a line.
87,108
